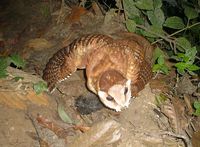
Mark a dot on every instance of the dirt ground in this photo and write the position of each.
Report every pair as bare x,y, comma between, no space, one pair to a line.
36,30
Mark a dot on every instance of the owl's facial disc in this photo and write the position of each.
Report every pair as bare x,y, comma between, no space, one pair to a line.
118,96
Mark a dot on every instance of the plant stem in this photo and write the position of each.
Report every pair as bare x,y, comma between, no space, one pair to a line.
188,27
161,36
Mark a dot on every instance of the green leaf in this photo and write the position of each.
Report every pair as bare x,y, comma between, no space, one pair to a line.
148,34
63,115
156,67
183,43
161,60
18,78
157,53
181,71
157,3
39,87
174,22
144,4
164,69
138,20
3,73
190,12
160,68
193,67
176,58
156,17
180,55
191,53
131,25
130,9
183,57
4,63
196,105
155,30
181,67
197,112
17,61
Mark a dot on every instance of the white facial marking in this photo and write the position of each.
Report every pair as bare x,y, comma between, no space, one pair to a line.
118,96
117,92
111,104
128,94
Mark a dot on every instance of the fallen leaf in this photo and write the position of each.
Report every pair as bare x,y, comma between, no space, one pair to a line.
81,128
185,86
188,104
75,15
175,111
58,130
196,139
63,115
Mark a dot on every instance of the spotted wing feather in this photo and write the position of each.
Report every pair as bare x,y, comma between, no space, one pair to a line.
68,59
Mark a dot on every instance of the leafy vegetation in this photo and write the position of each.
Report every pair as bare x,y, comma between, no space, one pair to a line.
6,61
175,33
159,66
39,87
19,63
197,108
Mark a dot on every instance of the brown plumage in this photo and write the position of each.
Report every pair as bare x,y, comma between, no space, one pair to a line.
108,61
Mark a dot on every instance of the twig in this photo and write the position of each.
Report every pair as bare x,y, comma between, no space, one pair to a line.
161,36
125,14
101,9
35,127
188,27
197,57
183,137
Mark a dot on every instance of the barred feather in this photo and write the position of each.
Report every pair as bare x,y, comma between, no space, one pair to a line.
66,60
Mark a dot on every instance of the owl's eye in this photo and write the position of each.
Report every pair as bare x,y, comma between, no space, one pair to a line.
125,90
109,98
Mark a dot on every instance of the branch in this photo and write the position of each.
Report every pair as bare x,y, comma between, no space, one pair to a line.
188,27
154,33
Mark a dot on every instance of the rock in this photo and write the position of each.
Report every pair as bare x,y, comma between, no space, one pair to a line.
185,86
101,134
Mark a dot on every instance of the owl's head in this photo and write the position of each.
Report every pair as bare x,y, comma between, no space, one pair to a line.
115,90
117,97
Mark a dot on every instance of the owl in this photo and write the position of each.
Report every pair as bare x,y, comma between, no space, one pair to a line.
117,66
